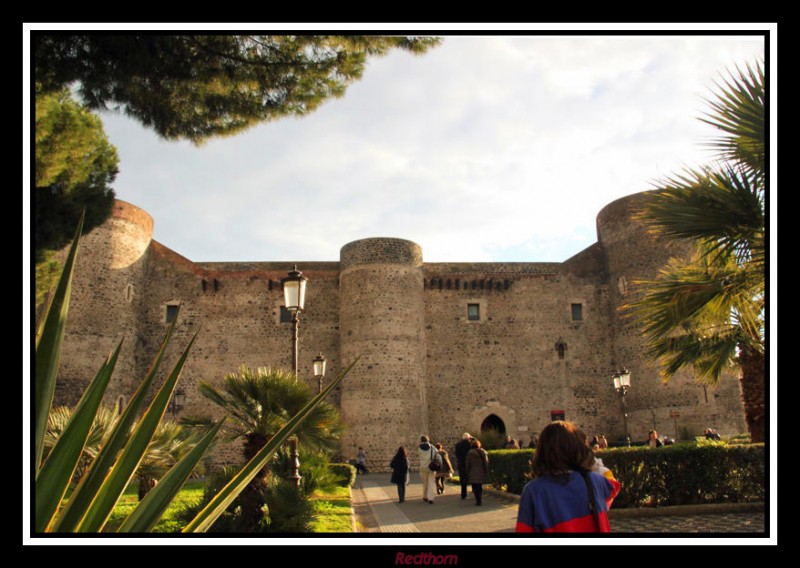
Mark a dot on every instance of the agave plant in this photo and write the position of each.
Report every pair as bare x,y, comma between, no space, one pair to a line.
90,504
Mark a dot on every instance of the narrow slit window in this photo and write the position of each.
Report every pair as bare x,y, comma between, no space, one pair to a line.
473,312
577,312
286,315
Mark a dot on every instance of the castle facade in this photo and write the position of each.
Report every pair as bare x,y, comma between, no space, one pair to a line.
445,348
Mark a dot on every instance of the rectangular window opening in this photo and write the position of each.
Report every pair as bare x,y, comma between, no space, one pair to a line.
171,313
577,312
473,312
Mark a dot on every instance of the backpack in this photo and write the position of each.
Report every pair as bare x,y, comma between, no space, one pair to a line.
436,461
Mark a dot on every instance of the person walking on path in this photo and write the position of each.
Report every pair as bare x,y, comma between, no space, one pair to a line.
400,467
462,448
571,491
477,469
446,471
427,454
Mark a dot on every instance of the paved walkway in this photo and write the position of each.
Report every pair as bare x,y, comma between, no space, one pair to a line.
377,510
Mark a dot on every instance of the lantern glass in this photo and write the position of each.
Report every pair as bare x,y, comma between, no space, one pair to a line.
294,290
319,366
625,378
617,382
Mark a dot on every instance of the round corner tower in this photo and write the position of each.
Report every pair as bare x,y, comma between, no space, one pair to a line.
108,288
382,322
634,253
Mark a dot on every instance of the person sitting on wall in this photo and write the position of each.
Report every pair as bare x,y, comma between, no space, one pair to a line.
361,461
653,441
510,444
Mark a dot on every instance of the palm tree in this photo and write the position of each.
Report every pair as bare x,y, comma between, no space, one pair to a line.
707,312
260,403
102,425
169,443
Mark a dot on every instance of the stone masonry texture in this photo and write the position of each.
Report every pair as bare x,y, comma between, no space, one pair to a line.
444,348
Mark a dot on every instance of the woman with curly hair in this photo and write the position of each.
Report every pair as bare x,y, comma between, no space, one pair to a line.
570,490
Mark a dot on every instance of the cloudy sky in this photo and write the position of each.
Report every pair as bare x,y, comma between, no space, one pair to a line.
487,148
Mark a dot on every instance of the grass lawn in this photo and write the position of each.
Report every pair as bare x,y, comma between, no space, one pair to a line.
332,511
192,491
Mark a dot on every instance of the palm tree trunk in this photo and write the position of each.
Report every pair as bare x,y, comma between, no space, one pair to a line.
145,485
252,496
754,392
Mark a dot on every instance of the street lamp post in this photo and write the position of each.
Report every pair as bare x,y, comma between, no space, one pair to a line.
319,370
622,382
294,294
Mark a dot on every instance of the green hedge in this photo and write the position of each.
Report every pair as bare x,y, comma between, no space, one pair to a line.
681,474
508,469
346,472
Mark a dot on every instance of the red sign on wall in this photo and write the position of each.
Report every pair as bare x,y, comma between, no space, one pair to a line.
557,415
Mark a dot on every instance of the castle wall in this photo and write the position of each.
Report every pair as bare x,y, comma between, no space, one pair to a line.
106,303
506,363
633,254
548,335
383,402
234,308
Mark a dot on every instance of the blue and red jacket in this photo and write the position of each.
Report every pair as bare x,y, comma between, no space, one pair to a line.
549,506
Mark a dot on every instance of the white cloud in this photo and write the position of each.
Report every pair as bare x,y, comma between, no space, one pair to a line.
485,148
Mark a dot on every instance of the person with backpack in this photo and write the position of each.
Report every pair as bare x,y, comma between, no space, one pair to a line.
429,463
446,471
571,490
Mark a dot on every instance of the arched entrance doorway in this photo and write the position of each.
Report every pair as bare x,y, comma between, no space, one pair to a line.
493,422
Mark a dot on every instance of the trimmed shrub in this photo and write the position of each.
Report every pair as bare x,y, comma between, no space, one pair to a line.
346,473
492,439
687,474
508,469
681,474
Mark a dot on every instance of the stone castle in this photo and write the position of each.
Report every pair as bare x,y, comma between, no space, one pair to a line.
445,348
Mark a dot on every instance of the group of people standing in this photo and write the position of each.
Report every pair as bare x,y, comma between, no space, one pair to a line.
570,491
471,459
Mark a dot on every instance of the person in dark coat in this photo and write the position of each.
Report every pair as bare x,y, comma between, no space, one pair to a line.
477,469
400,467
462,447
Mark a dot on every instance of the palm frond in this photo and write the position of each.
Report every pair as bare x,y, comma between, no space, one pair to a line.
738,110
700,291
263,400
709,355
723,208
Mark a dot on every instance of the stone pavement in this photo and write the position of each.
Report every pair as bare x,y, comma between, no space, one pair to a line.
377,510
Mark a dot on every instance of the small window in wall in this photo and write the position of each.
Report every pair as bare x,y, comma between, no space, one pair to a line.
473,312
171,313
561,348
577,312
286,315
129,293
